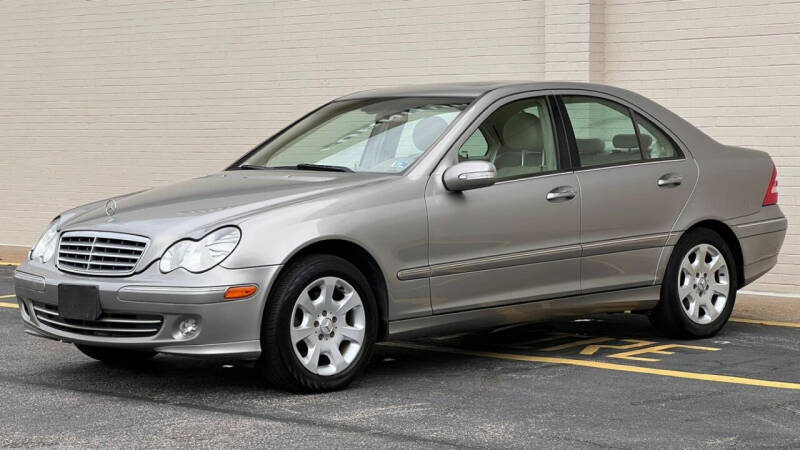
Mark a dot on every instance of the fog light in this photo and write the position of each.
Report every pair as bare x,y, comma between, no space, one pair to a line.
188,328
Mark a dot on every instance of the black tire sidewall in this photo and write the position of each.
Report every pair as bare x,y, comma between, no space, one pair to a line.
670,283
276,344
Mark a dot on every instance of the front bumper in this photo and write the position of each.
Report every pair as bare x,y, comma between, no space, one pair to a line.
227,328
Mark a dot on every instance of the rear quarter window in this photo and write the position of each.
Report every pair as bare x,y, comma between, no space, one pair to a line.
655,143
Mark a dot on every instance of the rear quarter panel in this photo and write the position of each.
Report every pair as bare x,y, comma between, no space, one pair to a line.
731,187
732,182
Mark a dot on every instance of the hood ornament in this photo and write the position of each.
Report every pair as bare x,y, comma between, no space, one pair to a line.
111,207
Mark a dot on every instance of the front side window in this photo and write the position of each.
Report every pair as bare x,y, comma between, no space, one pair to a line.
520,140
371,135
476,147
603,131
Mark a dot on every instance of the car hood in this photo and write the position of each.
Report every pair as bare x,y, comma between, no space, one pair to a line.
192,208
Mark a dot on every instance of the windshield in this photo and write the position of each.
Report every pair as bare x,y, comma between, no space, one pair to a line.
370,135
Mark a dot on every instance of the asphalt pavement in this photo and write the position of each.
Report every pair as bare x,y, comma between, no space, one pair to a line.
607,381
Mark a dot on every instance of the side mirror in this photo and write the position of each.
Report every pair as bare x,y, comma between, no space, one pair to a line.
469,175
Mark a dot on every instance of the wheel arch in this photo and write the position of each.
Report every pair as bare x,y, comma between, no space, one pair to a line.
364,262
730,238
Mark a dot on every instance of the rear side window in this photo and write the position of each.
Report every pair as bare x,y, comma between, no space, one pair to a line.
603,131
655,144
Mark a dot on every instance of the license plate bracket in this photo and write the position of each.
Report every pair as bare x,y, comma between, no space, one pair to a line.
79,302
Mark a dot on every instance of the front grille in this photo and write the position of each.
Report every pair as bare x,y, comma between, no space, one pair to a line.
97,253
109,325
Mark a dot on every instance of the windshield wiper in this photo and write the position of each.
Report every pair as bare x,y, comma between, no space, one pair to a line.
303,166
253,167
323,167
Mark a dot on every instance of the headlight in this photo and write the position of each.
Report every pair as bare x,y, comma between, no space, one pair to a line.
46,246
199,256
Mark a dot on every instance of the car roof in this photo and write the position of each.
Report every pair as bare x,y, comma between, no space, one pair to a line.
687,133
472,89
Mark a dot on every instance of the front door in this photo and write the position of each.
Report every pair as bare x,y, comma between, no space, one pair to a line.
515,241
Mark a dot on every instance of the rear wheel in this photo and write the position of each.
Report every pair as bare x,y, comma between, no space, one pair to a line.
699,287
116,356
319,327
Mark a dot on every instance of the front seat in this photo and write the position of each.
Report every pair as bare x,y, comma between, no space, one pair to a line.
427,131
522,146
591,151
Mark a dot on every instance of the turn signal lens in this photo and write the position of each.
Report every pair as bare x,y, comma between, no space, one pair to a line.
240,291
771,197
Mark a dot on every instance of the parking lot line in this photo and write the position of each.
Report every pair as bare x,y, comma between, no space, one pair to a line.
3,263
771,323
9,305
601,365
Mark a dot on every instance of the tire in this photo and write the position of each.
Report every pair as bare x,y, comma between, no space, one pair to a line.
692,307
319,309
116,356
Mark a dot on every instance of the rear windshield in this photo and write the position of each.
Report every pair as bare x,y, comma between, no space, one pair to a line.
370,135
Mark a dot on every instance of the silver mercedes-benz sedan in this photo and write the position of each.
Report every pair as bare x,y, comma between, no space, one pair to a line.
414,211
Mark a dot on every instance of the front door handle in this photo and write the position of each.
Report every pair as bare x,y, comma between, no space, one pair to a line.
561,194
670,180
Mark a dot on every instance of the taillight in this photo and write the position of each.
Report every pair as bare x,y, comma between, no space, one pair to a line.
771,197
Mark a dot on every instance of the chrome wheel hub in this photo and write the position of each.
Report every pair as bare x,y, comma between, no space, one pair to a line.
703,283
328,326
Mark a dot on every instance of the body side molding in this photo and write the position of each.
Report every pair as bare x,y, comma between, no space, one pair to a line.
535,256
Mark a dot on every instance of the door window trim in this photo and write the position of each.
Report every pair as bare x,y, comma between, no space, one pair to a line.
632,112
636,132
559,136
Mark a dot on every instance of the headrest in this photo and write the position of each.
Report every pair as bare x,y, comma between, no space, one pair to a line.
590,146
428,130
625,141
523,132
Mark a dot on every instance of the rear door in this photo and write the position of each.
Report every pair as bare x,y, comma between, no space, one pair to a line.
634,179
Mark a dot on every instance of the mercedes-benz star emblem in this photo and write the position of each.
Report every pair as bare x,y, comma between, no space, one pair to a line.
111,207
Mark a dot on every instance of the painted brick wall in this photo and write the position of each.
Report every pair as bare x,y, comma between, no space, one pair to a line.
731,68
574,40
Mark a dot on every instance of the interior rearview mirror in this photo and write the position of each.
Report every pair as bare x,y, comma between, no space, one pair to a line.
469,175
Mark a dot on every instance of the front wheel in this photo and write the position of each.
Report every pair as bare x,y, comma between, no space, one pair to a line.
699,287
319,326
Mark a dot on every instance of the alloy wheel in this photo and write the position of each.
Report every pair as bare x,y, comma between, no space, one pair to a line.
328,326
703,283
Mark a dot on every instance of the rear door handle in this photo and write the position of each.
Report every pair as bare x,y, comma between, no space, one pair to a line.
561,194
670,179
